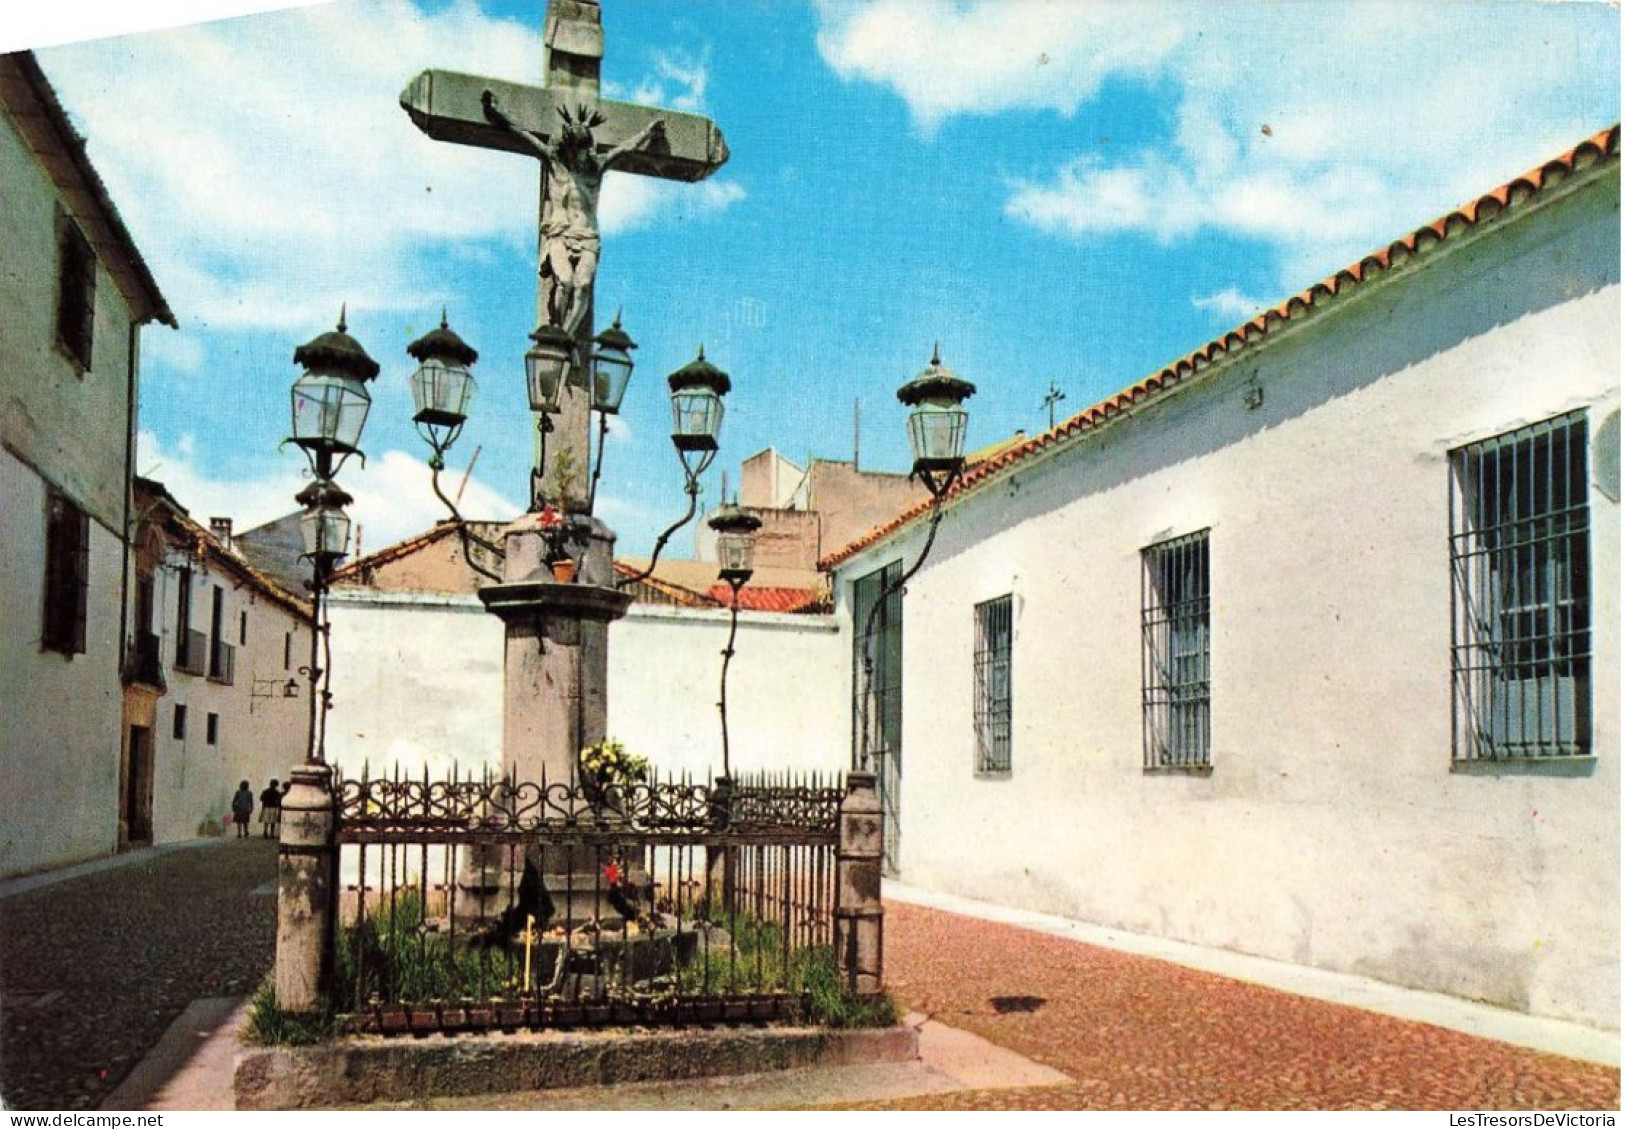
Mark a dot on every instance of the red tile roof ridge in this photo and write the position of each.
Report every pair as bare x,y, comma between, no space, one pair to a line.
1599,146
395,551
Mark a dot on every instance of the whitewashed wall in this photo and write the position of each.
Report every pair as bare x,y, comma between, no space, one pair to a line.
418,680
59,716
1332,831
260,734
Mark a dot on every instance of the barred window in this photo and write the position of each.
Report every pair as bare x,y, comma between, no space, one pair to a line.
1519,552
1174,650
67,575
993,686
76,293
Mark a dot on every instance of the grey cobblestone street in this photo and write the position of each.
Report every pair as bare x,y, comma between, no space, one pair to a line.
94,968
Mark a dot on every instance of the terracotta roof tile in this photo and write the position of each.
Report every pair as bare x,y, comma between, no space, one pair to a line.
756,599
1599,147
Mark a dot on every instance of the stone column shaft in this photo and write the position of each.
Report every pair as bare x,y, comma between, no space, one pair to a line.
859,915
307,891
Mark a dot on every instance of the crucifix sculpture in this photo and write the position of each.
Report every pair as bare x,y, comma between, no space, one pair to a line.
578,137
556,658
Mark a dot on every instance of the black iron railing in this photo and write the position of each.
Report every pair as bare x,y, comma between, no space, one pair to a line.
497,903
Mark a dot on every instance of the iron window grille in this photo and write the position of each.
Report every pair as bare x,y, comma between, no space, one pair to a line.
1521,594
992,697
67,575
1176,661
76,293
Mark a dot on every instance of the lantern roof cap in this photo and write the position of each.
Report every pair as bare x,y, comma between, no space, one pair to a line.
615,337
936,382
550,334
730,518
323,493
700,373
442,344
336,349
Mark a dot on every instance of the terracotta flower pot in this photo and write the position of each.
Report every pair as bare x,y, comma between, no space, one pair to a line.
564,571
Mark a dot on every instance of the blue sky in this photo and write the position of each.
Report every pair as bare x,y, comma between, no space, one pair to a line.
1056,190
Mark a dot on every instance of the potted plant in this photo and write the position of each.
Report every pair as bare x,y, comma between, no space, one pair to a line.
555,532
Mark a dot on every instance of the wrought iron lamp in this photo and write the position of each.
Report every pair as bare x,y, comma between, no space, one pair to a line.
697,390
736,552
442,391
937,425
329,408
442,388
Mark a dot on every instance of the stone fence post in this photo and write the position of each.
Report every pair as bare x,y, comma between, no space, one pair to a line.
306,894
859,916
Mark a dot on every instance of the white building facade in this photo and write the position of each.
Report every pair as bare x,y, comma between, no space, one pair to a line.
231,699
1306,647
75,293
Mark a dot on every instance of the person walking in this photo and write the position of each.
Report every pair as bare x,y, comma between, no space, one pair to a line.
271,811
242,806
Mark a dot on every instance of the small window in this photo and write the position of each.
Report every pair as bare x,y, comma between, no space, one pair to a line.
67,575
287,650
993,624
1520,545
242,628
76,293
212,729
1174,631
179,731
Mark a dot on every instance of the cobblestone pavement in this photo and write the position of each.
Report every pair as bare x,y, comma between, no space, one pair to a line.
94,968
1138,1033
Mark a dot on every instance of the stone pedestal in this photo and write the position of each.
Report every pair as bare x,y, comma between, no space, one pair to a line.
859,916
555,698
307,891
556,662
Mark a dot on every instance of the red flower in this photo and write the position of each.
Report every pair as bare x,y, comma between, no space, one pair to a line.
549,517
612,873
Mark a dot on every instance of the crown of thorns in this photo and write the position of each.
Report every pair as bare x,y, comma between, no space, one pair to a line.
585,118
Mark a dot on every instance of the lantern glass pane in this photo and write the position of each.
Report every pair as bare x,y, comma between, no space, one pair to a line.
936,431
545,373
612,369
326,531
696,413
736,552
329,411
442,393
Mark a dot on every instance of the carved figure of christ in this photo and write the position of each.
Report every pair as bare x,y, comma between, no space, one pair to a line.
454,107
573,172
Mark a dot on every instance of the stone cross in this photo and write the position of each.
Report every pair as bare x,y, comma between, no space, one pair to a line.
543,122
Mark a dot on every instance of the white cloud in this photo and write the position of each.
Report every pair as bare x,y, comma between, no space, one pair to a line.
1232,304
945,58
1324,129
266,185
393,497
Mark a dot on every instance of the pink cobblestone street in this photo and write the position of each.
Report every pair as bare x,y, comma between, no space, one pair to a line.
1138,1033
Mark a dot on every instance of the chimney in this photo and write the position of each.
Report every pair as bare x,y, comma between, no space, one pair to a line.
221,528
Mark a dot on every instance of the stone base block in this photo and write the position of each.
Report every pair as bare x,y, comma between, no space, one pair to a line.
359,1071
